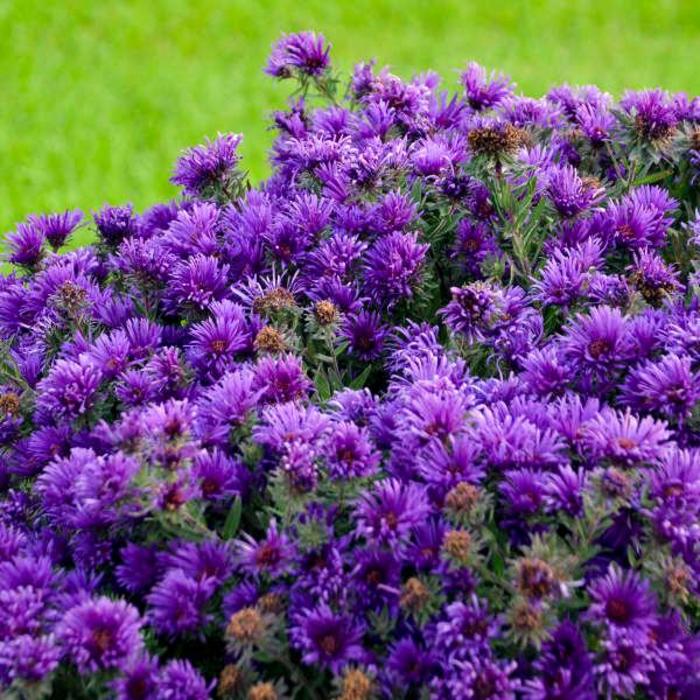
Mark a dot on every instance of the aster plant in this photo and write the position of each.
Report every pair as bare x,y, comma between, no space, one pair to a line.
417,417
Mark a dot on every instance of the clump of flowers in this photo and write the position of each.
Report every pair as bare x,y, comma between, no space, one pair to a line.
417,417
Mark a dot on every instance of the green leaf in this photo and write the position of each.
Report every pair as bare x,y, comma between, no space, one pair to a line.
233,519
361,379
323,386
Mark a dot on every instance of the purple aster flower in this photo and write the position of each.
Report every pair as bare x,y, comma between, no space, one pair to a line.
622,599
225,406
101,634
391,510
139,568
328,639
349,452
210,559
484,91
195,283
433,156
392,267
217,341
208,170
480,677
139,680
280,379
653,277
57,227
272,556
570,193
625,439
28,659
479,309
376,575
566,489
69,390
26,244
409,664
365,335
114,224
177,604
625,665
194,230
596,122
220,477
667,387
474,244
304,54
524,491
179,680
564,668
288,422
653,114
598,340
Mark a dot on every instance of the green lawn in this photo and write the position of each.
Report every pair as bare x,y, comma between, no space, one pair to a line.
99,97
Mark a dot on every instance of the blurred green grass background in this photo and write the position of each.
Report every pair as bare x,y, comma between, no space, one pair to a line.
99,98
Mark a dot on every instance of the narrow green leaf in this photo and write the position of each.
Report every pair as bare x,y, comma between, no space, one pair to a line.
361,379
233,519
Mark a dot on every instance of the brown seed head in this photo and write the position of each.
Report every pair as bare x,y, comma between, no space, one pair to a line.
457,545
262,691
269,339
415,595
462,498
325,312
246,626
356,686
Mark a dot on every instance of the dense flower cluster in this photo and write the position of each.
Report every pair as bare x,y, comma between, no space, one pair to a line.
417,417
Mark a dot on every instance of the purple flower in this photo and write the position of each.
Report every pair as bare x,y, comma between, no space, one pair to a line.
483,91
569,193
177,603
349,452
101,634
139,680
57,227
652,112
28,659
69,390
271,556
621,599
391,510
26,244
365,334
668,387
392,267
115,224
303,53
204,171
195,283
625,439
179,680
328,639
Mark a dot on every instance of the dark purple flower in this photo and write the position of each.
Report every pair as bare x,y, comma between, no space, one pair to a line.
177,603
271,556
622,599
204,171
26,244
114,224
391,510
101,634
179,680
328,639
57,227
303,53
483,91
365,335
